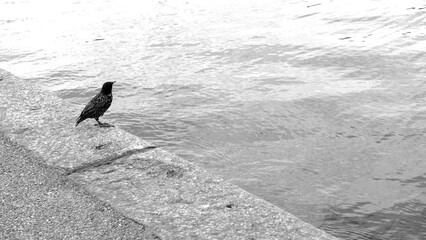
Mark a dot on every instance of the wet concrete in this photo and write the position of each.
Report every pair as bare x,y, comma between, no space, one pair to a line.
154,188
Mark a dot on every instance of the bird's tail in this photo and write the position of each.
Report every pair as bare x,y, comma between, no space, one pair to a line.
79,120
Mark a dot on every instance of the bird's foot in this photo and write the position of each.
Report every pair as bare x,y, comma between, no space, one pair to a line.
106,125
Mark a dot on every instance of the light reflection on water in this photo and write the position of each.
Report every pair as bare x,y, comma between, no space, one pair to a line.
317,107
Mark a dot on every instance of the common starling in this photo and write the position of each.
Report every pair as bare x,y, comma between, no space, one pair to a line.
98,105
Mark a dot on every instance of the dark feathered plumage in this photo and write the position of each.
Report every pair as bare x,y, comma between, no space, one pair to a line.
98,105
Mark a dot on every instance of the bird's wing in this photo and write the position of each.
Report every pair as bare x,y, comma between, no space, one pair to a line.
97,102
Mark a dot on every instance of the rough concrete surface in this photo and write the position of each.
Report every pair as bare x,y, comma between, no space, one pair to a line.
161,189
42,122
37,202
175,198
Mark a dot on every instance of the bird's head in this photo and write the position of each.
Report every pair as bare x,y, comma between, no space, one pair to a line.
107,88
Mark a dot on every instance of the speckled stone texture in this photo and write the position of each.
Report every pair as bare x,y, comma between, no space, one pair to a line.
44,123
175,198
38,202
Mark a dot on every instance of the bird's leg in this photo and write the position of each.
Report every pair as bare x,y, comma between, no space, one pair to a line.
103,124
99,123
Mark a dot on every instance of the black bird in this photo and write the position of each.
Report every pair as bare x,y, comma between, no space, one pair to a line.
98,105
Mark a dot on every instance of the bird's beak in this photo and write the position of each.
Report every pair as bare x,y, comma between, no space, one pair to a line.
114,82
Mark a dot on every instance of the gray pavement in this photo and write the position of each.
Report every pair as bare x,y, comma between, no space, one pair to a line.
38,202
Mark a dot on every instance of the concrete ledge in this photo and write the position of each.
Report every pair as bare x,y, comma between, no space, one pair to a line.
44,123
174,197
37,202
